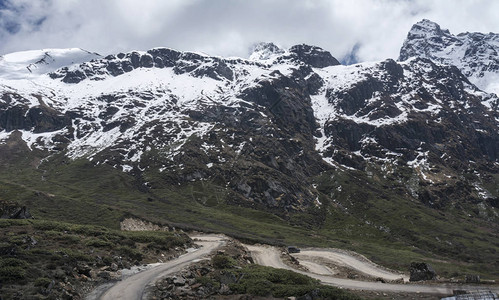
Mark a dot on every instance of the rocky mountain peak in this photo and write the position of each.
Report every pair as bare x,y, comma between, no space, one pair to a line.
426,28
424,38
475,54
265,50
314,56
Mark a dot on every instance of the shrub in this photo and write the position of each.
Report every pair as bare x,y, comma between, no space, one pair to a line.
208,282
70,238
98,243
258,287
13,262
220,261
160,239
52,226
73,255
130,252
42,282
11,273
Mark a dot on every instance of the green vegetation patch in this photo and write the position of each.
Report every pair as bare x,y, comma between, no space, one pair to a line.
266,281
36,253
370,214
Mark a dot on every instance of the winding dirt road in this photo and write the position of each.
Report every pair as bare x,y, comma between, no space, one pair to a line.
345,259
133,287
271,256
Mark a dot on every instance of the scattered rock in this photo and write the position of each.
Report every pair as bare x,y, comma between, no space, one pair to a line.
472,278
398,281
114,267
104,275
224,289
134,224
313,295
93,274
379,279
83,269
228,278
179,281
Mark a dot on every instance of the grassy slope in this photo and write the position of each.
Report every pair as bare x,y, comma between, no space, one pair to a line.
266,281
81,193
35,253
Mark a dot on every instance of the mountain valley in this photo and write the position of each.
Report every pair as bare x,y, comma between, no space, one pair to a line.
397,160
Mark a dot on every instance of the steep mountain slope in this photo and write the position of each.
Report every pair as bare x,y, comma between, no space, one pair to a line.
416,115
474,53
199,113
287,146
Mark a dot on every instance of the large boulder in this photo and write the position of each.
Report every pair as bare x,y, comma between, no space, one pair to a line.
422,271
469,278
14,211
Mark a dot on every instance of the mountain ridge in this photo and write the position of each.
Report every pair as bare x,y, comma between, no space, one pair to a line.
162,87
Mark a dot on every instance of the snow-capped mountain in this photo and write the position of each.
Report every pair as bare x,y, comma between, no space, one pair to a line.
474,53
261,127
30,64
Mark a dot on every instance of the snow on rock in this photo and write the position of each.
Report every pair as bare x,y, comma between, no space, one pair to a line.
266,51
30,64
128,104
475,54
126,111
363,109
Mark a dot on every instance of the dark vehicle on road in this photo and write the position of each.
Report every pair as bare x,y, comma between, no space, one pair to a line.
293,249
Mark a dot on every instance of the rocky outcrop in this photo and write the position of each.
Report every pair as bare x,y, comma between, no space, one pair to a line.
10,210
314,56
471,278
133,224
421,271
37,119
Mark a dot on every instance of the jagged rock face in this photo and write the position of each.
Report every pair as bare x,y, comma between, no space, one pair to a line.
195,64
38,119
314,56
475,54
416,114
398,110
304,55
263,127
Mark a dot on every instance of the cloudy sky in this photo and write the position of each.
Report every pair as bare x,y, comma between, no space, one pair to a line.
368,29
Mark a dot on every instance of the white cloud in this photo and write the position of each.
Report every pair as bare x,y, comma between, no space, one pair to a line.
377,27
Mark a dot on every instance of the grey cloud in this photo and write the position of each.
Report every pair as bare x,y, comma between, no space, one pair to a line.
374,29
